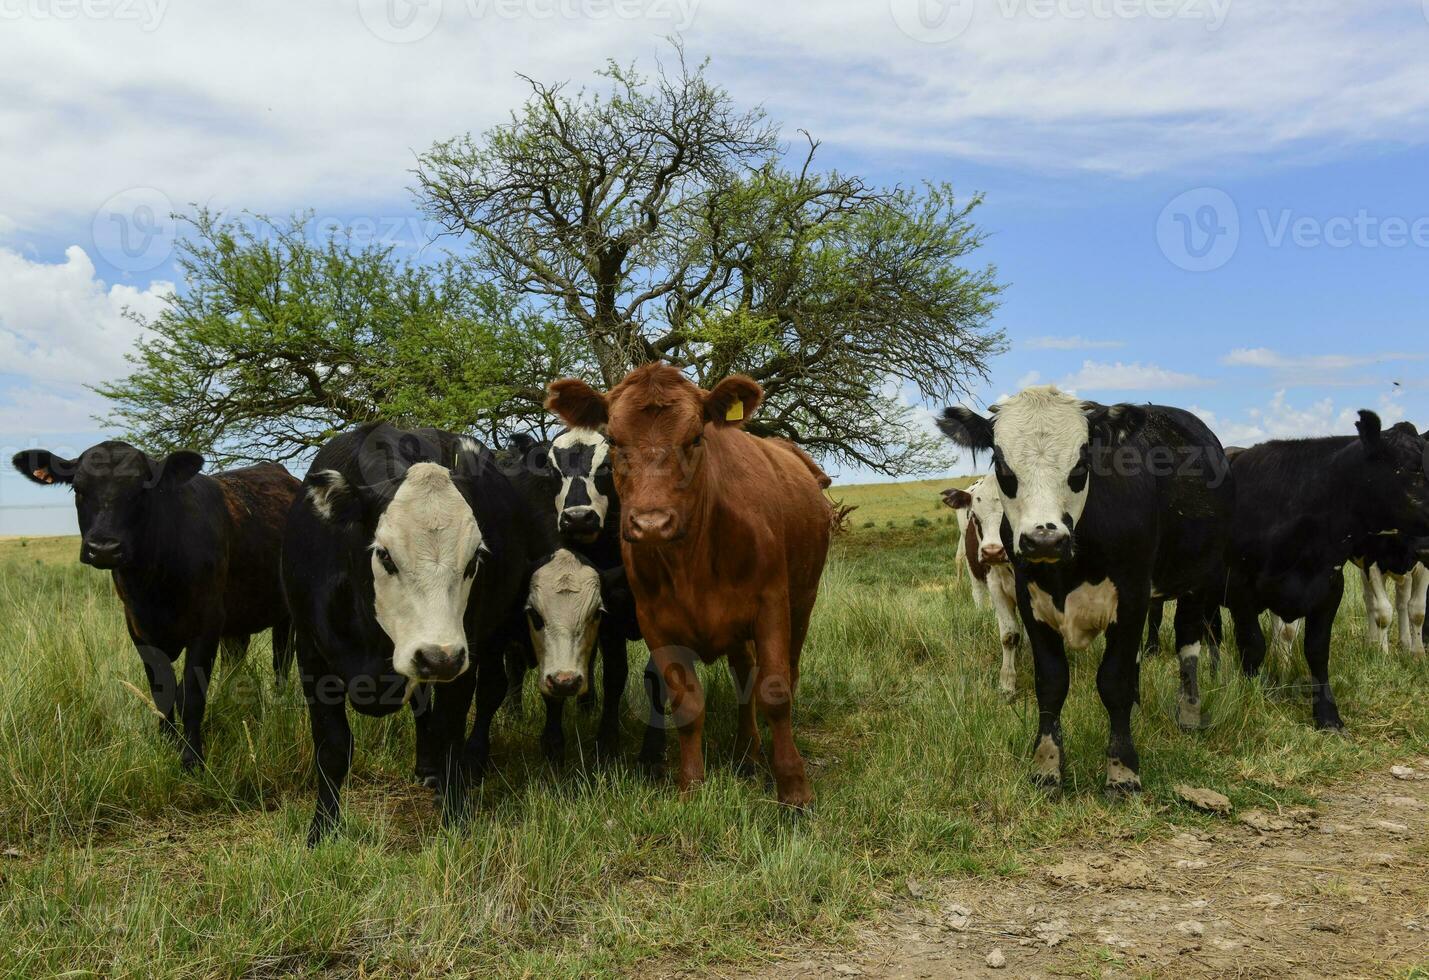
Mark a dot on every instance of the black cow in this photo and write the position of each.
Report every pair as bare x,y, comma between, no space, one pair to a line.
404,566
1104,505
194,559
1304,507
567,484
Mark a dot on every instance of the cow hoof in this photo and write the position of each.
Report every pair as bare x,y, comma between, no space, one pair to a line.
1007,694
1122,789
1190,719
1049,785
430,781
800,801
190,760
1331,726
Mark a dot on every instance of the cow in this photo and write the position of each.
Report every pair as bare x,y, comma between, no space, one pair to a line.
194,558
724,536
957,499
1303,509
1384,559
1104,507
567,484
405,568
988,564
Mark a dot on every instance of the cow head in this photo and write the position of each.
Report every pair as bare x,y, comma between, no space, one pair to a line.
984,506
1042,443
115,488
424,553
581,458
657,421
1391,485
563,613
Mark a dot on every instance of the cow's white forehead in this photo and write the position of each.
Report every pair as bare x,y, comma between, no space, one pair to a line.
567,584
573,438
428,516
1040,426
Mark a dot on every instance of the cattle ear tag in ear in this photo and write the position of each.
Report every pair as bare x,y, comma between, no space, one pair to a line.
735,412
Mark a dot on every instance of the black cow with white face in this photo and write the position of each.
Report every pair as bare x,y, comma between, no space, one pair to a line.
194,559
567,483
1305,507
405,568
1104,507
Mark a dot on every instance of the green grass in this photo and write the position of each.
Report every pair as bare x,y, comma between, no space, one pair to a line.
129,867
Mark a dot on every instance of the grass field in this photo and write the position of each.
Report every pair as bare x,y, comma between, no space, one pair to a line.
119,864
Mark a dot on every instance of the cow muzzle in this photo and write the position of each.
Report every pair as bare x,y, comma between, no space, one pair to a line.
563,684
655,526
102,552
1044,543
580,523
993,554
438,662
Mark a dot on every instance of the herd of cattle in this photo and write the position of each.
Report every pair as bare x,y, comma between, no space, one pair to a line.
419,568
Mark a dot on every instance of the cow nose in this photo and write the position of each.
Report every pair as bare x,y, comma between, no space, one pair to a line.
103,552
439,662
1045,542
650,525
563,683
994,554
580,520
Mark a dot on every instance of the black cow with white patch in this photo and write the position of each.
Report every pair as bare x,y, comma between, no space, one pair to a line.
1104,506
404,566
1305,507
567,484
194,559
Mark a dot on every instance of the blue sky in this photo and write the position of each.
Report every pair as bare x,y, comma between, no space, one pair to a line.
1219,204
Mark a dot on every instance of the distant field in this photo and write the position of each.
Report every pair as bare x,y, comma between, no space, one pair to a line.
122,865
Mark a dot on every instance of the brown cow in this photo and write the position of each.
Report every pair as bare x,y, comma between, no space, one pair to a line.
724,536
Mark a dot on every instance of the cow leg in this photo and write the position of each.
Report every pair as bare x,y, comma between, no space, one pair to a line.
614,671
687,702
1318,625
451,703
1003,592
428,767
163,684
746,740
490,691
1154,614
1377,608
1190,626
332,746
1248,637
1417,583
193,697
1051,680
652,745
774,692
1119,684
1215,630
553,735
517,663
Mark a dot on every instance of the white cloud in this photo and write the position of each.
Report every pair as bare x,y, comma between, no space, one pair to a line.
1264,357
62,328
1076,342
1100,376
1029,379
1280,419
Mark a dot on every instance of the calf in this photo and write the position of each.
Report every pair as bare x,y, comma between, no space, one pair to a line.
194,560
1384,559
1305,507
405,565
568,485
1104,507
987,563
724,537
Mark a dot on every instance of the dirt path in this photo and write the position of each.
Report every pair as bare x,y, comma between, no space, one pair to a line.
1341,889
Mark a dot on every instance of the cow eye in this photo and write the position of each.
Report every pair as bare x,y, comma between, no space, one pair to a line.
385,558
537,623
697,440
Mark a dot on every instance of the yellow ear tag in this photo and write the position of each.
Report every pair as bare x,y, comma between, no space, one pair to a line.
735,412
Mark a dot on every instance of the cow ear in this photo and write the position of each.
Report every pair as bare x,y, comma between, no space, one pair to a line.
966,427
1371,432
733,400
521,443
334,499
957,499
577,404
44,467
179,468
1111,425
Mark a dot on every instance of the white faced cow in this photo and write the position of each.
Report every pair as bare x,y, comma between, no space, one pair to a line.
987,562
1104,506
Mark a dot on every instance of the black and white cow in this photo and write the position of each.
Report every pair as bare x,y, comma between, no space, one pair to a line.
567,483
1104,506
194,559
988,565
404,565
1386,560
1303,509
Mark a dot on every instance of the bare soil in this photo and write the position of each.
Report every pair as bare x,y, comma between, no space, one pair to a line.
1340,889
